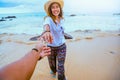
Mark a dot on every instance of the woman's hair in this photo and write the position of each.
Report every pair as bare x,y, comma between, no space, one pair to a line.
51,15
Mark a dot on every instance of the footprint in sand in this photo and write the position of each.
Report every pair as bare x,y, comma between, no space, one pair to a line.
27,43
112,52
89,37
8,40
0,41
77,39
118,34
20,42
70,40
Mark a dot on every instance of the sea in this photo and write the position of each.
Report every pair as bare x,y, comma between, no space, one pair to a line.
32,23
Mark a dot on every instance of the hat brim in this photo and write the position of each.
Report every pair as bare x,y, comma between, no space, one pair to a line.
47,4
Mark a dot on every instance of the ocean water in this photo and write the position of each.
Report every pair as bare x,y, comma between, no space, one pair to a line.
32,23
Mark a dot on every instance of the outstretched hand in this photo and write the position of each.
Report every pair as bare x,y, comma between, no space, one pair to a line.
47,37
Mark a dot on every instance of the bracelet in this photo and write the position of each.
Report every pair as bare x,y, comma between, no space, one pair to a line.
40,58
37,51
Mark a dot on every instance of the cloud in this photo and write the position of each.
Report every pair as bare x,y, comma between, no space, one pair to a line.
23,6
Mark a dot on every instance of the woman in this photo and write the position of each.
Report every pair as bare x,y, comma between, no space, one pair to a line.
54,34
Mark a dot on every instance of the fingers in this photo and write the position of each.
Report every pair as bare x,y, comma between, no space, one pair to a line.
40,45
50,38
45,51
47,37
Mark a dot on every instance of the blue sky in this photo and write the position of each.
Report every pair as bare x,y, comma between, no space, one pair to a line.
7,4
73,6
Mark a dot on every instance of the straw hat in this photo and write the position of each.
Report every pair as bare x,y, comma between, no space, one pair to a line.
48,3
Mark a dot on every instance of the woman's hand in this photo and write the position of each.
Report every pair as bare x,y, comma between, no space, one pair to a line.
46,36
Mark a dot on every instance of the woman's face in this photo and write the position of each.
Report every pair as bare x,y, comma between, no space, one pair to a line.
55,9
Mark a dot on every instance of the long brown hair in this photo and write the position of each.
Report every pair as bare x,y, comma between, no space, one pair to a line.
51,15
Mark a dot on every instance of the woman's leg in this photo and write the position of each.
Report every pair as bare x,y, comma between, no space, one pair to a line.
61,60
52,60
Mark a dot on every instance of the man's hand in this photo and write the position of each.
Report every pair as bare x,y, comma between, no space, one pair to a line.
45,51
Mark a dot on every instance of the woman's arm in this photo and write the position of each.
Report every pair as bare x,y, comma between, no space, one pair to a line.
47,28
24,68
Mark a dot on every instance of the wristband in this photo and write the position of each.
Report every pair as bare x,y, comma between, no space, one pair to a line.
37,51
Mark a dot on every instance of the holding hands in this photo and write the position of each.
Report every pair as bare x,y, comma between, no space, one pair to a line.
46,35
42,49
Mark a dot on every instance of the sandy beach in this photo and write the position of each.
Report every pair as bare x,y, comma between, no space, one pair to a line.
91,55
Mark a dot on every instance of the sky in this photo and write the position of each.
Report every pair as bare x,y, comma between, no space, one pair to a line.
73,6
